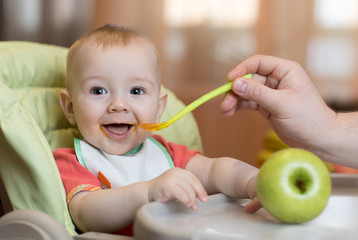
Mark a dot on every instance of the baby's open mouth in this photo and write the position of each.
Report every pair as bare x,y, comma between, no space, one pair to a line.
117,129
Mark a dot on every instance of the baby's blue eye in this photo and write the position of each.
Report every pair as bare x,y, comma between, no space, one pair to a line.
136,91
98,91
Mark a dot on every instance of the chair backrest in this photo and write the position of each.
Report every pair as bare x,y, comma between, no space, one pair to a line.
32,125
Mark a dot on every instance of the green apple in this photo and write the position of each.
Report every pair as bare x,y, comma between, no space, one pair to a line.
293,185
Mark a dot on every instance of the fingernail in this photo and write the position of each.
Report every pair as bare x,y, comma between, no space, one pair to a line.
240,87
204,198
195,207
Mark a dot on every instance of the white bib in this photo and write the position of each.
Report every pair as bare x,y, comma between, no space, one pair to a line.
149,162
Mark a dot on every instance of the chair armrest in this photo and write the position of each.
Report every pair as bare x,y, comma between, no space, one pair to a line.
31,224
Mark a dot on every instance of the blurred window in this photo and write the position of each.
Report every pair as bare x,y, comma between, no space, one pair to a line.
336,14
332,49
54,22
218,13
206,38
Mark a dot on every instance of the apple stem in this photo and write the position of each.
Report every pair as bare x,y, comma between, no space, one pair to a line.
300,184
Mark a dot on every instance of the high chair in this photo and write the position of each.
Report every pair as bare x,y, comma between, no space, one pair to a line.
32,125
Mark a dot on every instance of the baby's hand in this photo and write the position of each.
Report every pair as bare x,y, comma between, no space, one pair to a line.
178,184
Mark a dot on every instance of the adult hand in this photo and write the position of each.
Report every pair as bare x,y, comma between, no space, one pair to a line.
283,93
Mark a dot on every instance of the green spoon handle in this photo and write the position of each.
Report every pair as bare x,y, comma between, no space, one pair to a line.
220,90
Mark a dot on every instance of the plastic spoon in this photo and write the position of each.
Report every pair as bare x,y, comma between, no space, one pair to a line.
151,127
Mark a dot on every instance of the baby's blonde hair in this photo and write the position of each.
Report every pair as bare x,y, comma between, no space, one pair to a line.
107,36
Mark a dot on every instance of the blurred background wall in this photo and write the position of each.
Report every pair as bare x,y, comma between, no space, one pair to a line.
201,41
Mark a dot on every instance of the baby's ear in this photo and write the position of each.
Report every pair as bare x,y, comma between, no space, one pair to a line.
67,106
162,104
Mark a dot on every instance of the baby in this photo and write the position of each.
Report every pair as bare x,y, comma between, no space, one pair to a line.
113,86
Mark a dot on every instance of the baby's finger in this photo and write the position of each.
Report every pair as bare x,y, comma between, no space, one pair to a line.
200,192
198,188
253,206
186,197
194,189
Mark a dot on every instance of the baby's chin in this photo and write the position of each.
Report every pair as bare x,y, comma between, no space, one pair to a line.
116,150
119,148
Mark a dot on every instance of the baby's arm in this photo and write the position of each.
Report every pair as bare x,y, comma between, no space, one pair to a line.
227,175
107,210
113,209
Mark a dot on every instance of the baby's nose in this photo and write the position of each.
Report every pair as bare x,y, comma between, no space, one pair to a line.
118,104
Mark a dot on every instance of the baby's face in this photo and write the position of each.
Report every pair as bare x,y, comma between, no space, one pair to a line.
112,92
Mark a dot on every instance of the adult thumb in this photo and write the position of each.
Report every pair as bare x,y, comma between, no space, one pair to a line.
252,90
